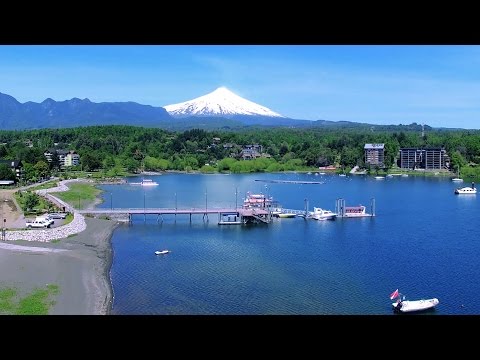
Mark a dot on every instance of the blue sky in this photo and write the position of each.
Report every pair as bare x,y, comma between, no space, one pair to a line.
381,84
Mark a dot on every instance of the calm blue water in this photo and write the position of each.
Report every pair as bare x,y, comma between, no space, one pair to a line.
424,241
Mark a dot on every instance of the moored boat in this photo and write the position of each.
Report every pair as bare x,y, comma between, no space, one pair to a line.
282,213
286,215
145,182
321,214
466,190
355,211
457,178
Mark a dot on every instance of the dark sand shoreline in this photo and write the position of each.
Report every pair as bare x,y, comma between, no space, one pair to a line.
80,265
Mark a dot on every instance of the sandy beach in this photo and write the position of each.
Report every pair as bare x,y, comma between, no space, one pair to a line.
79,264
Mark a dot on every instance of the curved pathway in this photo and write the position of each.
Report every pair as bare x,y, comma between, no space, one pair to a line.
45,235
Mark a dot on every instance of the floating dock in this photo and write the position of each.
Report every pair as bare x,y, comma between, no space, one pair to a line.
353,211
229,218
291,181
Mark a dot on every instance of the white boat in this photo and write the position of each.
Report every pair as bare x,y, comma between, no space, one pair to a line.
162,252
145,182
286,215
458,178
466,190
379,177
321,214
281,213
404,306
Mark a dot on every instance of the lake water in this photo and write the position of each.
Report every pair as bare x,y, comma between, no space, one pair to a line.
424,240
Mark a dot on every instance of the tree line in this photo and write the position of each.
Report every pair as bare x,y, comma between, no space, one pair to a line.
118,148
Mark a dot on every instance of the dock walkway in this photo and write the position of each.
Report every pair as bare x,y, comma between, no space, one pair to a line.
245,215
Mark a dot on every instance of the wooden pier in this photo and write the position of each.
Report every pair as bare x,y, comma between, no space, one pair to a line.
226,216
230,216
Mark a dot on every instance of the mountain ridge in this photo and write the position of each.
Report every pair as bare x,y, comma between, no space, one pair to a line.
77,113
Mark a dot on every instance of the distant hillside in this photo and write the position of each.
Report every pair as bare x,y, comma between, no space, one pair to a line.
76,112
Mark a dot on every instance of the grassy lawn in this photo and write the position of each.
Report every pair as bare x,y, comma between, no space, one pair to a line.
41,207
38,302
79,195
48,185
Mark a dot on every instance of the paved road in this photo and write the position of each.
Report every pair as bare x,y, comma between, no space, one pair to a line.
10,209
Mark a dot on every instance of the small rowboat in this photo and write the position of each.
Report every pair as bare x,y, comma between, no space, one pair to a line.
162,252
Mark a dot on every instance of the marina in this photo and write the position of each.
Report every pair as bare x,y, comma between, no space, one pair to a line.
256,208
292,265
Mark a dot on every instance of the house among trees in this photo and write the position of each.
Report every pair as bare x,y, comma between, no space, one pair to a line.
374,154
251,152
63,158
71,159
15,165
427,159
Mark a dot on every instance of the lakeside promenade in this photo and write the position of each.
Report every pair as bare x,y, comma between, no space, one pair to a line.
77,257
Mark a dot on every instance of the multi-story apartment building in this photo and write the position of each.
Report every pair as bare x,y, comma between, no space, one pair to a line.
374,154
428,159
65,158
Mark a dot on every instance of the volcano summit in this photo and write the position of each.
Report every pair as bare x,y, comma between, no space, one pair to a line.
221,102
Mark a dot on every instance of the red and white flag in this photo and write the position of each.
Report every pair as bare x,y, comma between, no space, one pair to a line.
394,295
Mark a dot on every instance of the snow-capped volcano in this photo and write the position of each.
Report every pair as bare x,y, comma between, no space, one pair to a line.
221,102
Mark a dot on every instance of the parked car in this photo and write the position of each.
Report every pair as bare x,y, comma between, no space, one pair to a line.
37,223
45,217
58,215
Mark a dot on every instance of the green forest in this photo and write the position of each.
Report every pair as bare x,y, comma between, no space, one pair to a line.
115,150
